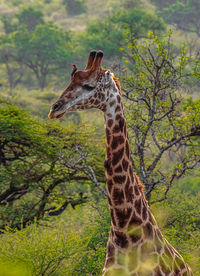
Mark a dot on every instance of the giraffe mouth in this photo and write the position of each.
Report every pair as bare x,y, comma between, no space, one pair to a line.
60,115
53,116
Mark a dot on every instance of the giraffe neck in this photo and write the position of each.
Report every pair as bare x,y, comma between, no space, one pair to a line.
125,195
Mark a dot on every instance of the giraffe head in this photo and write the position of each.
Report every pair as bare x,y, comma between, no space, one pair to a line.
87,88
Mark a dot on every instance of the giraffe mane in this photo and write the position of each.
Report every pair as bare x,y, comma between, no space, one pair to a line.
116,80
140,185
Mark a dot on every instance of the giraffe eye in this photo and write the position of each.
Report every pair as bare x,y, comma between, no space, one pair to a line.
88,87
56,106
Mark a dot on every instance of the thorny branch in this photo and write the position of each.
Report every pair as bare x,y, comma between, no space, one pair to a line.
81,165
158,106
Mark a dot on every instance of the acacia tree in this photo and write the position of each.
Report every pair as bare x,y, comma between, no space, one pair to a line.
9,57
40,165
45,50
108,33
30,17
163,125
8,25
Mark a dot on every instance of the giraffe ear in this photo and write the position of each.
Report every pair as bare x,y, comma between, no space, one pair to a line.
97,61
90,59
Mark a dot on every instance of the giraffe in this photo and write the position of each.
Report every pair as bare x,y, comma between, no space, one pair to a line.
136,245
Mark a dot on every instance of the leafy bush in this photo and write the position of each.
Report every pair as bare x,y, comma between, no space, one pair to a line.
75,7
74,245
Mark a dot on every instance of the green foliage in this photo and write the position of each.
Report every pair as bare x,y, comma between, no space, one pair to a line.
160,121
42,47
8,25
108,33
138,21
30,17
163,3
37,174
75,7
9,56
76,245
35,251
45,50
185,14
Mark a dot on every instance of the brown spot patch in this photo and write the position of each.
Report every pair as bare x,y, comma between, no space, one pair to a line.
121,239
109,200
118,196
116,129
118,99
117,140
125,165
108,167
144,212
118,117
121,123
118,169
108,135
123,216
129,191
97,102
138,206
117,109
112,217
119,127
112,103
119,179
135,220
117,156
109,185
110,122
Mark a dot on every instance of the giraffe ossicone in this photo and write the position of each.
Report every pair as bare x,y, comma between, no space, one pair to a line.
136,245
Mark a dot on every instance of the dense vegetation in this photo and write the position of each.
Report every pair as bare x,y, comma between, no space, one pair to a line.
54,217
